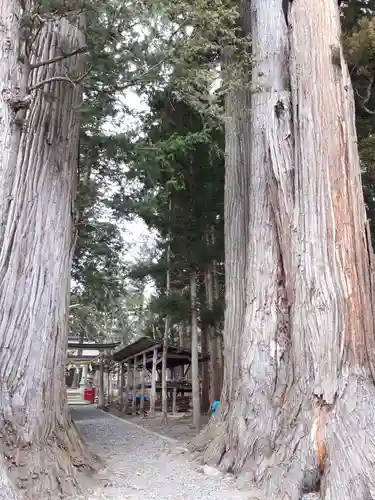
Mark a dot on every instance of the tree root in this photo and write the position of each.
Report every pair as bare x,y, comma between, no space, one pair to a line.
7,490
304,447
46,469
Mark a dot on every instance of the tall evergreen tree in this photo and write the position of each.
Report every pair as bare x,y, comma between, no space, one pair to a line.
299,383
42,64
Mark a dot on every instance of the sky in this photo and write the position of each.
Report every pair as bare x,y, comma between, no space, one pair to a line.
135,233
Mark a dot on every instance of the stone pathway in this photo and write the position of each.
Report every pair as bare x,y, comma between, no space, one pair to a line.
145,466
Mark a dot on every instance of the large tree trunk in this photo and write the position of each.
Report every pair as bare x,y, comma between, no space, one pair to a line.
38,146
302,397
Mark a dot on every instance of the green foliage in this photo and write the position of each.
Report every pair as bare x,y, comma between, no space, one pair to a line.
119,318
171,52
359,50
359,44
212,316
179,166
176,306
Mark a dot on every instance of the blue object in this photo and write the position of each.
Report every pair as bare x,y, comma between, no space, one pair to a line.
138,398
214,407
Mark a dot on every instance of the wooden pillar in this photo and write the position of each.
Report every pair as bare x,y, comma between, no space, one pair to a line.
109,384
127,391
174,401
153,383
143,375
134,404
101,383
121,368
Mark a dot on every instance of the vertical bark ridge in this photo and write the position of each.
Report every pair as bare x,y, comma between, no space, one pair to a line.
265,335
333,282
10,72
236,194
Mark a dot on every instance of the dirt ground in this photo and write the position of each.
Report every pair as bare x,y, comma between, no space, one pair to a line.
142,465
179,426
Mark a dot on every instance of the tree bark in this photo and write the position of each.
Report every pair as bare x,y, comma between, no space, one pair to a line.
219,332
143,376
194,352
127,390
153,383
38,147
75,383
134,391
164,391
206,381
181,343
121,386
101,398
213,344
303,392
109,385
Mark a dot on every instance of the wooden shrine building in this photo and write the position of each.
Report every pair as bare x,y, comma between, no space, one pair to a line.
140,367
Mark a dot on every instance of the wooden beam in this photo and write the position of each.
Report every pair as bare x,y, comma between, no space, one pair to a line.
158,346
143,374
93,347
153,383
134,403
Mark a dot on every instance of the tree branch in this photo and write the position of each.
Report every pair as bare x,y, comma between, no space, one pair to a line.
59,58
363,100
49,80
59,79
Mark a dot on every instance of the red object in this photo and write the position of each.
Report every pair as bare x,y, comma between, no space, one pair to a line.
89,394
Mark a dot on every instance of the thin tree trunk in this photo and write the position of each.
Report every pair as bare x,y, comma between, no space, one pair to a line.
181,339
121,386
153,382
304,391
194,351
164,392
214,363
134,393
127,391
75,378
38,146
219,326
143,375
206,381
109,388
101,399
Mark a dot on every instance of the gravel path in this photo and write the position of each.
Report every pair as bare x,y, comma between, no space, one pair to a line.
145,466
